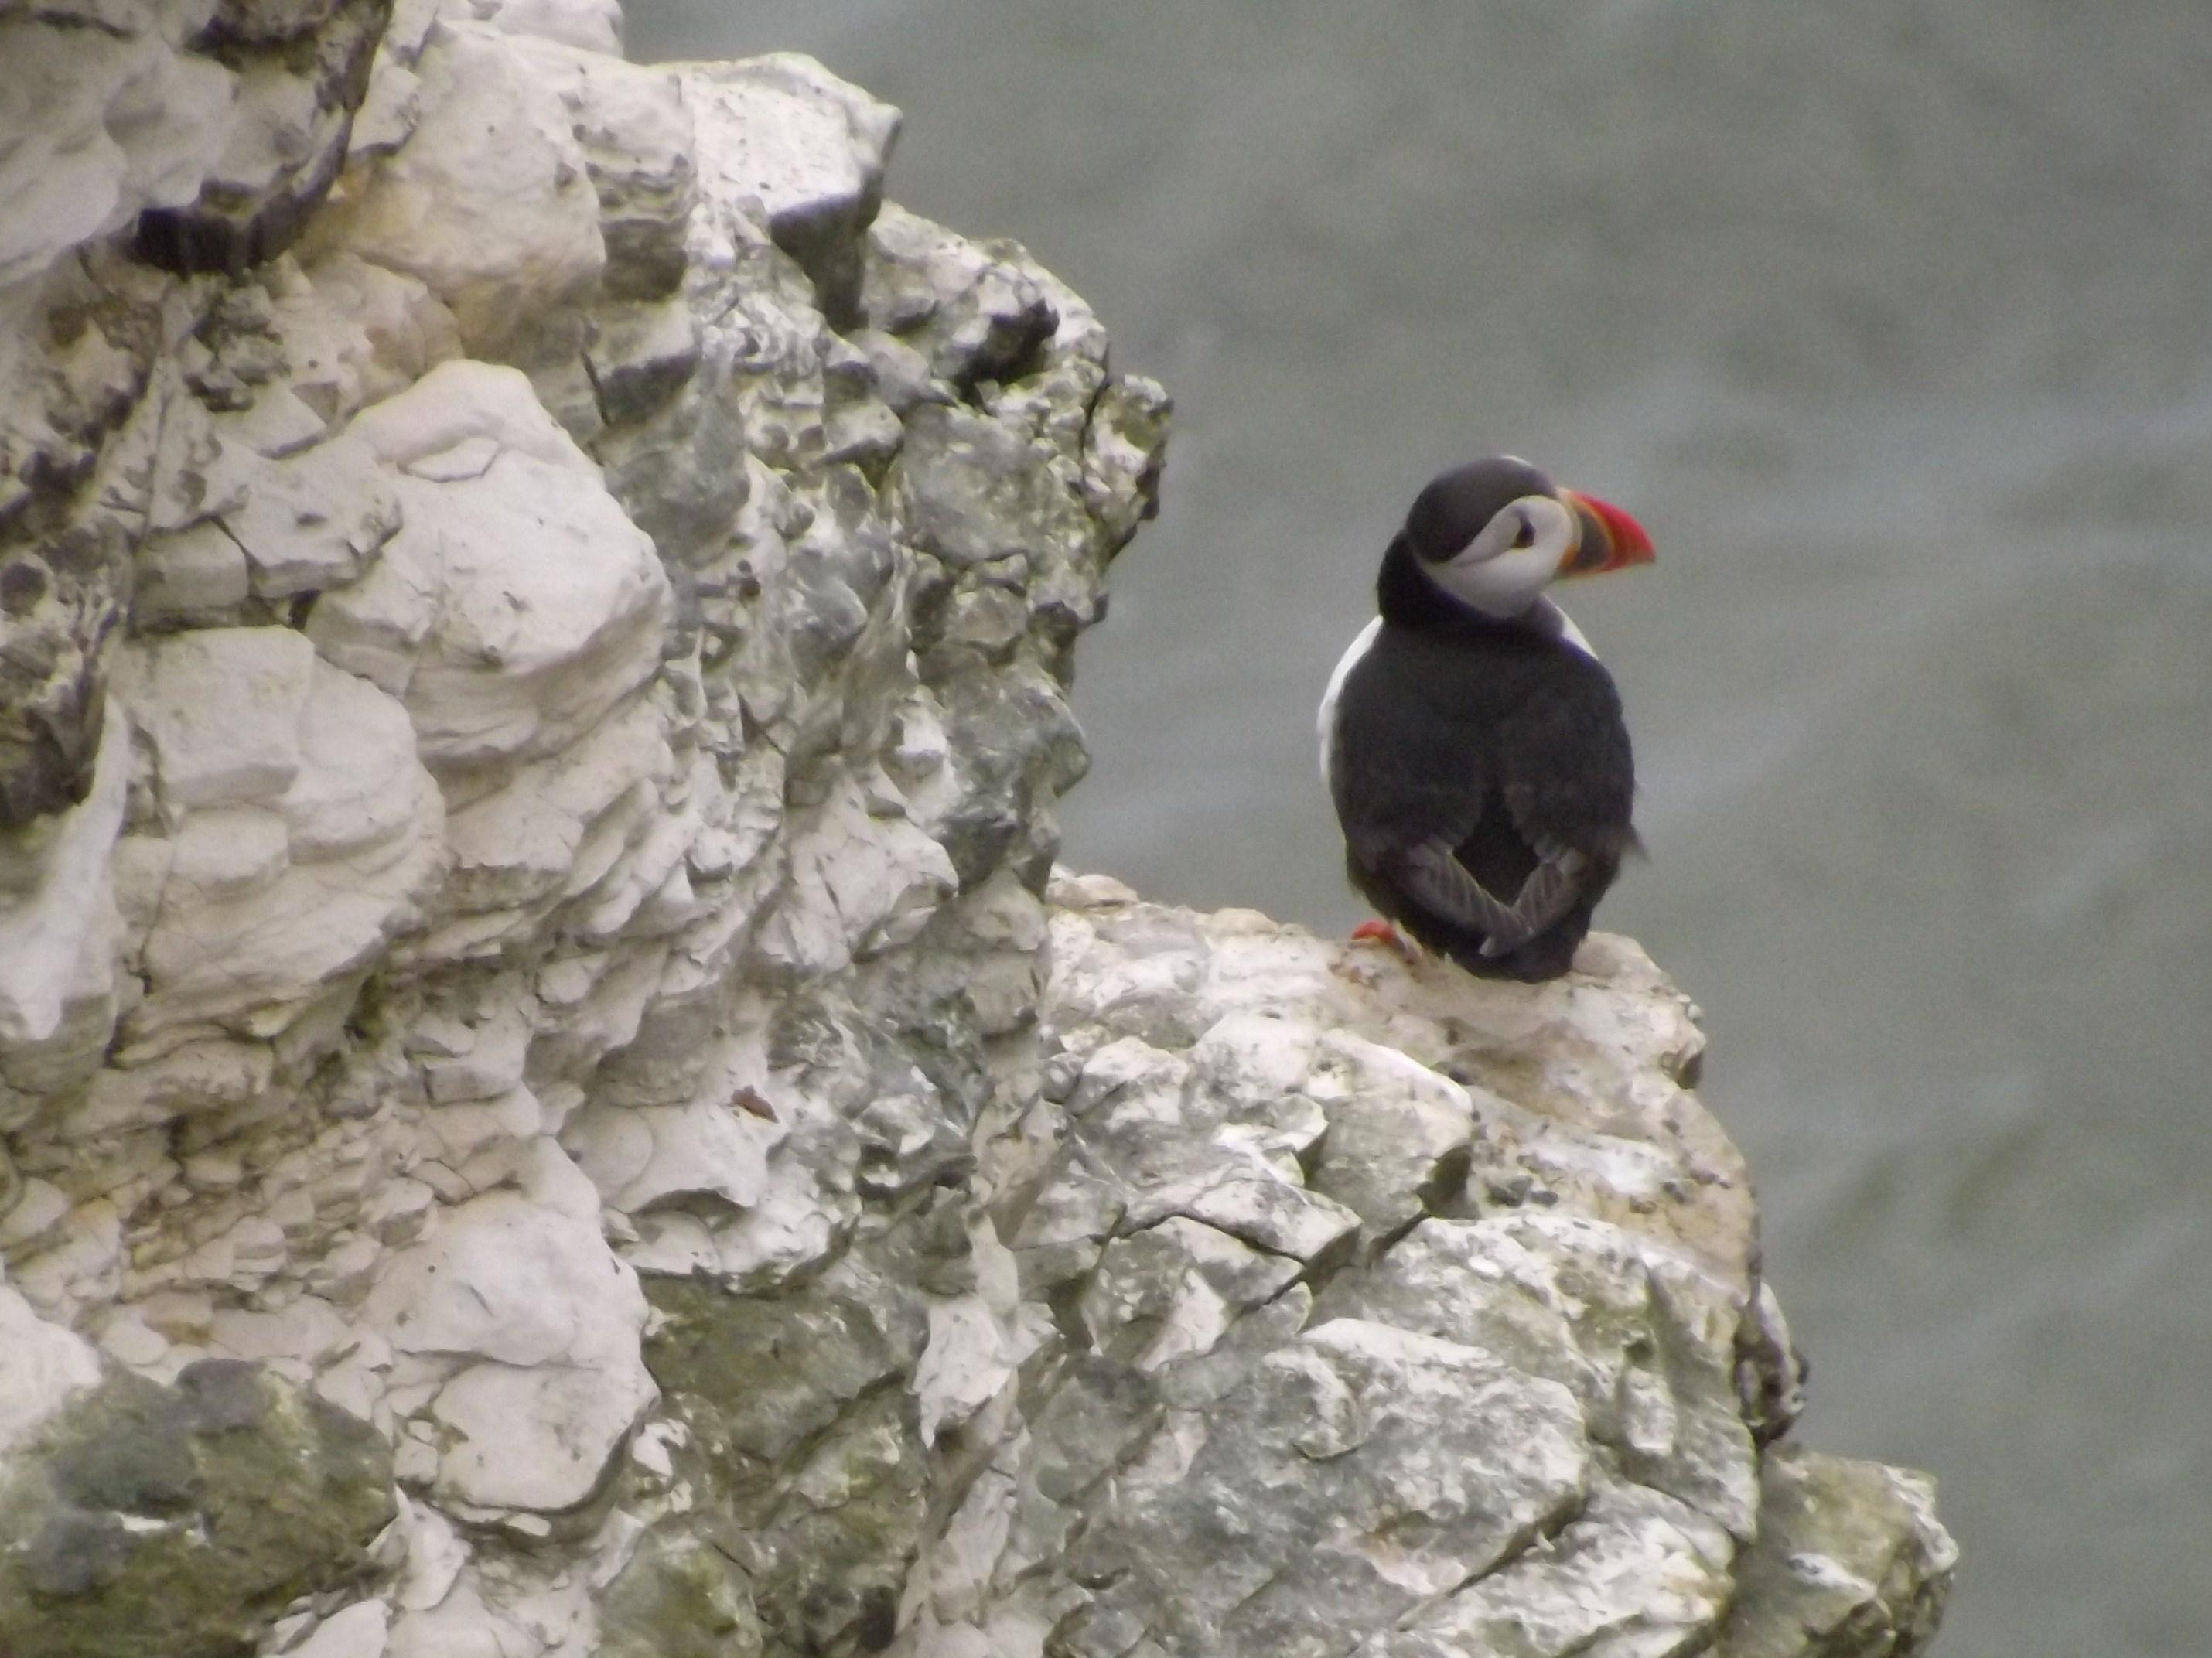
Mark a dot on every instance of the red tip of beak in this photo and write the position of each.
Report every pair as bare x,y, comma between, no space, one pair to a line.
1619,541
1629,544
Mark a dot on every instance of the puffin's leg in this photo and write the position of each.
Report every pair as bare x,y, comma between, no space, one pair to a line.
1384,932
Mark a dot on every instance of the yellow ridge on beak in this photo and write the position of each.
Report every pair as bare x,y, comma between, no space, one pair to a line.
1610,539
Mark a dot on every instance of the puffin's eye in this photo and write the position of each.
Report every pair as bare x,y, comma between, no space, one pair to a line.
1526,535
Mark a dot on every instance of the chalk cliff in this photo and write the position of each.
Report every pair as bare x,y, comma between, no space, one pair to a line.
552,1099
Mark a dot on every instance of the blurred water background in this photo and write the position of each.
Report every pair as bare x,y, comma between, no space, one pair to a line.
1893,322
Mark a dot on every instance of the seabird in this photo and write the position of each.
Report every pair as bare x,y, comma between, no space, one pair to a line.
1472,741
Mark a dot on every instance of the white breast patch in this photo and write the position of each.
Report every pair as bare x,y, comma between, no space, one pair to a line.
1567,630
1325,721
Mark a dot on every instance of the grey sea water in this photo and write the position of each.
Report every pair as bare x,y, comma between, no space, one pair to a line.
1893,322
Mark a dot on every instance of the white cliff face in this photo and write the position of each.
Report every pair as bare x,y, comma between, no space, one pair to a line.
545,1105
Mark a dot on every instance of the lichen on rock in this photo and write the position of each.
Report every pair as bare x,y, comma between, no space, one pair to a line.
174,1522
538,1034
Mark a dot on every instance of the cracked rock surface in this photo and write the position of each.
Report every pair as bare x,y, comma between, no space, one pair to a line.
552,1100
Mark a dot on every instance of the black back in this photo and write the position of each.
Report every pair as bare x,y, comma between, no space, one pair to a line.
1492,736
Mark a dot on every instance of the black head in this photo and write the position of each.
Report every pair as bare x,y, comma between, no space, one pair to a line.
1456,505
1484,540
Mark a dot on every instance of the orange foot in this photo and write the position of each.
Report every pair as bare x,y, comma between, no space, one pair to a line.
1381,933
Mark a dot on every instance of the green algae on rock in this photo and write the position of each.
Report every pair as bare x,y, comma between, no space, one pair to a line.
146,1521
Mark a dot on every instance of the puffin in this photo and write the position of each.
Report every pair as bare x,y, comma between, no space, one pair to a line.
1472,743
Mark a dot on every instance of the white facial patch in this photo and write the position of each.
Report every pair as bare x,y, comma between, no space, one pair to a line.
1499,578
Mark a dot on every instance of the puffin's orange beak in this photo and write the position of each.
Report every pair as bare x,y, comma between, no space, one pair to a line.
1610,539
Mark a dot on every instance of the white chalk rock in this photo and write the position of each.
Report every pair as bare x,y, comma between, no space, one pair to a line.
226,853
545,1323
587,25
802,153
60,932
1646,1341
635,131
502,1613
517,606
536,1439
41,1366
191,1077
1541,1243
102,122
971,1357
784,131
435,1554
553,826
1172,1291
506,1280
357,333
487,202
221,708
860,882
314,521
1634,1574
361,789
1358,1470
358,1630
195,574
642,1157
311,835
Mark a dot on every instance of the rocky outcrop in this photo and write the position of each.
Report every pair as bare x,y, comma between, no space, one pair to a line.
547,1103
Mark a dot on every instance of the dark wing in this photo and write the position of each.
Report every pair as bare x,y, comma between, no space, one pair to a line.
1403,772
1564,769
1433,873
